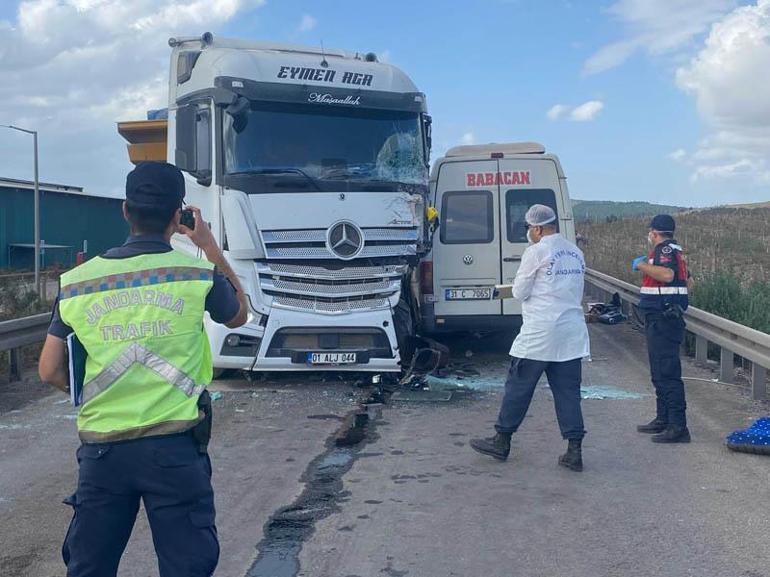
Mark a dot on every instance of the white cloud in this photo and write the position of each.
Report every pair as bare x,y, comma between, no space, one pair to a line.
728,79
72,68
587,111
557,111
307,23
468,138
744,168
678,155
583,113
656,27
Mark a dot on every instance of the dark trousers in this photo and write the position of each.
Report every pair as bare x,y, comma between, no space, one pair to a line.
664,338
173,480
564,380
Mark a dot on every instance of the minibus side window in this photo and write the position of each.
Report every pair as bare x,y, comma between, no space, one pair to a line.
517,203
467,217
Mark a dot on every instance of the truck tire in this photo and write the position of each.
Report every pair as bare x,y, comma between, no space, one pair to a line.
403,323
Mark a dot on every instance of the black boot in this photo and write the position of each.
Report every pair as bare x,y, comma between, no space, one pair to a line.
573,458
673,434
498,446
657,425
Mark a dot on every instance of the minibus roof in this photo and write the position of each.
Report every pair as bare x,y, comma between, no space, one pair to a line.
502,149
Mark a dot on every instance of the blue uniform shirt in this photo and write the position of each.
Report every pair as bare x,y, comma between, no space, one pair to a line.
221,302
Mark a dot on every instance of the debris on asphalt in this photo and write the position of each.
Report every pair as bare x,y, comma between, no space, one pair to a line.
425,396
610,313
215,395
601,392
353,429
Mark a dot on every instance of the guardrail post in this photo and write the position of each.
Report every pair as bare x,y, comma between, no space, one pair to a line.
701,350
758,382
15,365
726,366
625,307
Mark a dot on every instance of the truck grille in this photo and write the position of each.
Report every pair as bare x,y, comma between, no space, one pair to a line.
323,273
330,290
311,244
348,289
332,306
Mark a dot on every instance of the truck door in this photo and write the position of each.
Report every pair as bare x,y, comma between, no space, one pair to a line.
523,183
466,259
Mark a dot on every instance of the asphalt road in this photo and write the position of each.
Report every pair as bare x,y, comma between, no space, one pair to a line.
412,499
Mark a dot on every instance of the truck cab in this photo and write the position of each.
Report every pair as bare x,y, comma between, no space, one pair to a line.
312,166
481,193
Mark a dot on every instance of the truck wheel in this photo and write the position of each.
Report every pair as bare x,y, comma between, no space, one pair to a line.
224,373
403,322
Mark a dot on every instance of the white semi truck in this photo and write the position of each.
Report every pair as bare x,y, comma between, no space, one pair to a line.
312,166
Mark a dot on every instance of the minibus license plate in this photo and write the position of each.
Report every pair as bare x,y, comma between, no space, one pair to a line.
469,294
331,358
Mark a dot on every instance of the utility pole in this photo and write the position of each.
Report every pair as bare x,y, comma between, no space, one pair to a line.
37,205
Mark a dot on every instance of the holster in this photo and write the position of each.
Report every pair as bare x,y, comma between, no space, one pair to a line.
202,431
673,311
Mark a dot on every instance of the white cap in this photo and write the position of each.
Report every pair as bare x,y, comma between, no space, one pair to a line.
539,214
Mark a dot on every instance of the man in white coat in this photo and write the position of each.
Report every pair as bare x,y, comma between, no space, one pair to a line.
553,338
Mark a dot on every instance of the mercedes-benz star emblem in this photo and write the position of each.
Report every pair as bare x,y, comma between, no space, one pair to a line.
468,259
345,240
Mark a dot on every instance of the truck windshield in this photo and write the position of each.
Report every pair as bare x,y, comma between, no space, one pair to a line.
326,144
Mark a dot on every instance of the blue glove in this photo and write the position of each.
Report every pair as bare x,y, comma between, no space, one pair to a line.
637,261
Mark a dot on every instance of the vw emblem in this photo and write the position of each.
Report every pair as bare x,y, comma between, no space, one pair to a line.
468,259
345,240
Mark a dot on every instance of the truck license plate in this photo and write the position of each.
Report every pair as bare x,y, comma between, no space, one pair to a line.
331,358
468,294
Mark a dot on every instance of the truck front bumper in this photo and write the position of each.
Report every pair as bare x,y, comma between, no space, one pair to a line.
283,343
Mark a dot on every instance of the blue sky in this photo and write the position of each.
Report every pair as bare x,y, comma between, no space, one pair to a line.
657,124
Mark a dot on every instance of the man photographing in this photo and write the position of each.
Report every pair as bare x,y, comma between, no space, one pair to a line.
143,419
663,301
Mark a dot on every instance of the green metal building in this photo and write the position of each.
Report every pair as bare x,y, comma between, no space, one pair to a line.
71,221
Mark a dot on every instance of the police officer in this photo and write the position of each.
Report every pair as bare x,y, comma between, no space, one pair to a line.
663,301
553,338
138,312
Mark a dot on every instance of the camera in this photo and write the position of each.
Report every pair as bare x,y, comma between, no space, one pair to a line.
188,218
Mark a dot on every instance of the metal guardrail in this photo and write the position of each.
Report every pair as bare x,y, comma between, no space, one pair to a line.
18,333
732,338
49,281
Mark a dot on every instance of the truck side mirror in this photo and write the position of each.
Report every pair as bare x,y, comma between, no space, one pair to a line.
193,142
185,137
428,131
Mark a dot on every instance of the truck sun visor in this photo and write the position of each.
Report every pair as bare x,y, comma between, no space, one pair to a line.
323,95
238,110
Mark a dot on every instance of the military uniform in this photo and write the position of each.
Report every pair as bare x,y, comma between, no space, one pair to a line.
662,305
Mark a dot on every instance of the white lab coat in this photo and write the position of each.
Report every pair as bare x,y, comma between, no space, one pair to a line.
549,283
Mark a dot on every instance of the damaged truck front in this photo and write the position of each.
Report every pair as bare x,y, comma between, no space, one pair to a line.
312,166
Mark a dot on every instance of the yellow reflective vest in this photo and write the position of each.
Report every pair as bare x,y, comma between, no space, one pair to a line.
140,320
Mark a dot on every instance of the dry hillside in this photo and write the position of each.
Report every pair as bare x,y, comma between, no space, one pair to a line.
728,251
716,240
